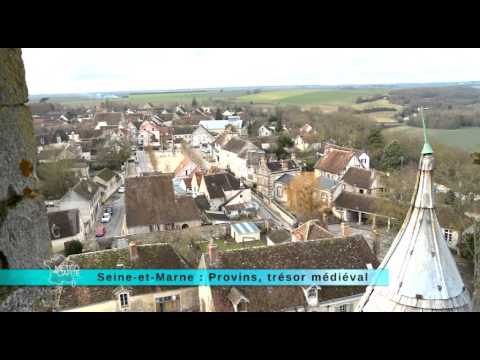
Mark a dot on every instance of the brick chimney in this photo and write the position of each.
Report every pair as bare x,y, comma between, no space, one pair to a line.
346,231
133,251
212,253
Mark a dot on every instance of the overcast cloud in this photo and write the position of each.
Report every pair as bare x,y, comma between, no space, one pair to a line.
94,70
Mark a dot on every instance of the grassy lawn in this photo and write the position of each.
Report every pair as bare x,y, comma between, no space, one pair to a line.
231,245
467,139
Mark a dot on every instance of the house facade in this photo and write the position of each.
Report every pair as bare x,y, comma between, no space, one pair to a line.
201,137
109,182
233,156
65,225
337,160
269,171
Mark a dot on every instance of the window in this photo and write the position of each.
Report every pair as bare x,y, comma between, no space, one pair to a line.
123,298
312,293
279,191
448,234
342,308
3,261
242,306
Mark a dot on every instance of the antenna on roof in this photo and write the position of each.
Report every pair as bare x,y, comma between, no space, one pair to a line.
427,148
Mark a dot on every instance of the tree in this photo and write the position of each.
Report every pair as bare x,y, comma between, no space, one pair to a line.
476,158
449,198
375,146
303,197
393,156
284,141
56,178
73,247
279,126
194,103
218,114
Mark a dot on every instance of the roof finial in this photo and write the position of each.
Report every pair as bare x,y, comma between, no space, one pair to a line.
427,149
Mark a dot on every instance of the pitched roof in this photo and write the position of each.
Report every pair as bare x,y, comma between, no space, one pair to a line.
285,179
218,183
63,223
184,130
154,256
335,161
361,178
312,230
235,145
245,228
369,204
86,189
335,253
326,183
106,174
277,165
151,200
202,202
279,236
112,118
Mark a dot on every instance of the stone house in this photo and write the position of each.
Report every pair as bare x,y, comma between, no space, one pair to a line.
269,171
326,190
86,197
334,253
280,187
109,182
337,160
151,205
65,226
135,298
184,133
363,181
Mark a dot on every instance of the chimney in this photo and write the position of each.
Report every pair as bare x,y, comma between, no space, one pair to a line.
133,251
212,252
284,164
325,221
345,229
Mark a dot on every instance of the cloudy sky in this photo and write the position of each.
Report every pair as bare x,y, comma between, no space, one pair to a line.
92,70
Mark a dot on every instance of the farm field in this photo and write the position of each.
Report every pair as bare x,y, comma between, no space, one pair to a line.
467,139
312,97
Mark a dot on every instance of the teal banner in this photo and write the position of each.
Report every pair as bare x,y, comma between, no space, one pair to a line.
193,277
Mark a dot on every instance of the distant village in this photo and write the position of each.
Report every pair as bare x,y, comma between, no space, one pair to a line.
196,188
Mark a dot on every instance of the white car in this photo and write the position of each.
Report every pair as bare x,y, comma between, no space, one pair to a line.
121,189
106,218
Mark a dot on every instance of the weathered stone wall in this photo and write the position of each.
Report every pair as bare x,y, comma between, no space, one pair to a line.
24,236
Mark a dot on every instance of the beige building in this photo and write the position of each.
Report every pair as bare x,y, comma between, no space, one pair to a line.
135,298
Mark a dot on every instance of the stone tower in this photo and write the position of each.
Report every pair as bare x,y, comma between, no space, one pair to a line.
423,275
24,236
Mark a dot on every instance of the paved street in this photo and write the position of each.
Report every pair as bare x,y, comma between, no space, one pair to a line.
143,164
114,227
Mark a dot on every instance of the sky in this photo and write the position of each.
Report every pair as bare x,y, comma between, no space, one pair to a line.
51,71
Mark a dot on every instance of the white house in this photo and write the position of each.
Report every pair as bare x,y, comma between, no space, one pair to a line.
65,225
242,232
109,181
266,131
201,137
233,156
218,126
85,196
337,160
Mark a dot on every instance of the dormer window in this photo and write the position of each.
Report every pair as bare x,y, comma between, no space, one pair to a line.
311,295
124,301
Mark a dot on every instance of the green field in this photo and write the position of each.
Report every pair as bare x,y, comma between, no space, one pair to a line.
467,139
312,97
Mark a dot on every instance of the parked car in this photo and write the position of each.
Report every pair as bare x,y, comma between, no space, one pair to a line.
100,231
106,218
109,210
121,189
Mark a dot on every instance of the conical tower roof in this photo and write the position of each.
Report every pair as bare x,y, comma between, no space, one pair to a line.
423,275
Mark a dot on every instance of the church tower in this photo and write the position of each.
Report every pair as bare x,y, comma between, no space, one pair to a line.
423,275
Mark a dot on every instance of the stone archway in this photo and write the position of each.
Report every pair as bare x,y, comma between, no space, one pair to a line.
3,261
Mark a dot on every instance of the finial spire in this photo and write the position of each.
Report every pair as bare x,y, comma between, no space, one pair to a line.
427,148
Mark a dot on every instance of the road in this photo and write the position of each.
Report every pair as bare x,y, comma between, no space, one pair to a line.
143,165
114,227
266,213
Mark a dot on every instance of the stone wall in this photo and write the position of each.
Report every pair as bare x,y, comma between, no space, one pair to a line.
24,236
